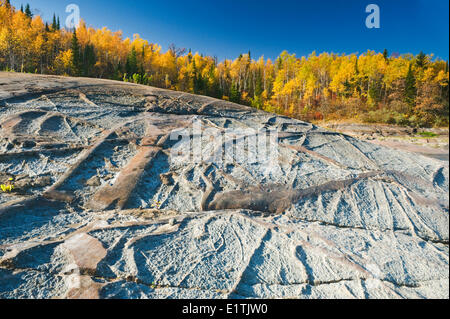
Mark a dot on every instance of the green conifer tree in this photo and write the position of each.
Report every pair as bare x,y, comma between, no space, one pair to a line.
386,54
235,95
421,60
54,23
410,87
76,55
131,66
28,11
88,60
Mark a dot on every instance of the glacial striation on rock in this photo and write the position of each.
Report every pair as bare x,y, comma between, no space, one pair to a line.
109,202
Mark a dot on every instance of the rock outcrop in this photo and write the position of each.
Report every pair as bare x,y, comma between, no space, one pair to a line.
111,202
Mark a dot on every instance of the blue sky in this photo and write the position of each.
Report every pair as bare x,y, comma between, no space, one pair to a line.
226,28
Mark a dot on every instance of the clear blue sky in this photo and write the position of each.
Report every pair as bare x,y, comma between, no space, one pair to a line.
225,28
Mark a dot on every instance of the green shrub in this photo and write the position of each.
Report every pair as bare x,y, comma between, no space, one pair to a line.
427,134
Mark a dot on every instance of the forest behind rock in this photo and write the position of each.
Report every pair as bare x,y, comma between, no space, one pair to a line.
393,88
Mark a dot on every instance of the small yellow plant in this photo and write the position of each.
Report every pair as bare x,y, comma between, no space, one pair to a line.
156,204
8,187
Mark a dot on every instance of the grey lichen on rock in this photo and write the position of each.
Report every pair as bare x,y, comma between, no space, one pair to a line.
114,206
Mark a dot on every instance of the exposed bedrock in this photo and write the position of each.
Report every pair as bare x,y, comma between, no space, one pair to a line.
128,191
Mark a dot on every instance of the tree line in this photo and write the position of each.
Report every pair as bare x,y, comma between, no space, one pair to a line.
369,87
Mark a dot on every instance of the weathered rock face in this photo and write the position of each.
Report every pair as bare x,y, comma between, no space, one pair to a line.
108,204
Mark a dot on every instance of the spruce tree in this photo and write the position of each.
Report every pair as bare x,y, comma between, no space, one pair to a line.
235,95
21,8
195,81
386,55
28,11
421,60
410,87
355,80
89,60
131,66
213,89
75,55
54,23
58,26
